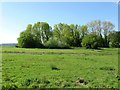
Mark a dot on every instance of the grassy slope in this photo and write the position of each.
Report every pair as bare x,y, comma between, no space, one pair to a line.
34,68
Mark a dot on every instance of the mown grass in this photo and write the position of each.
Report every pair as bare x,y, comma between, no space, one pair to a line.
58,68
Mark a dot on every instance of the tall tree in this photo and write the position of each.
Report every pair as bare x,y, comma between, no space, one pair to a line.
101,29
75,31
83,30
95,27
66,35
42,30
62,32
107,27
28,39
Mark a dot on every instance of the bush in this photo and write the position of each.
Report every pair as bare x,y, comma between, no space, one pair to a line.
55,43
51,43
114,39
90,41
28,40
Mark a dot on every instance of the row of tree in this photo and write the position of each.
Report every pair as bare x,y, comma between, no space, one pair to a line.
92,35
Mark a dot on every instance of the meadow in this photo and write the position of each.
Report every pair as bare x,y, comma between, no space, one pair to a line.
59,68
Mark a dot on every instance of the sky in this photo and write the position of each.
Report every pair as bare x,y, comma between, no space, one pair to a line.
15,16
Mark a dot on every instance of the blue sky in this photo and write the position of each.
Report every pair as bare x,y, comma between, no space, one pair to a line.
16,16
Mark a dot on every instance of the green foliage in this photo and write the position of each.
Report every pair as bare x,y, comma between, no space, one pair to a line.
52,43
69,34
95,34
62,32
34,36
90,40
115,39
101,28
28,40
100,41
107,28
55,43
75,38
42,31
84,30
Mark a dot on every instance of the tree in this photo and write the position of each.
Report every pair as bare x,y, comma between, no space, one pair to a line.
101,29
68,34
90,41
94,34
60,37
62,32
83,30
75,32
107,28
45,31
28,39
95,27
42,30
115,39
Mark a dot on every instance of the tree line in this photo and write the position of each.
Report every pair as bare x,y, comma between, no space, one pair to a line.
92,35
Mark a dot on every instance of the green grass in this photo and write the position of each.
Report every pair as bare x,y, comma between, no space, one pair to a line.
57,68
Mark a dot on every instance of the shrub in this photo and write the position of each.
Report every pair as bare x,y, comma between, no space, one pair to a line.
28,40
52,43
90,41
114,39
55,43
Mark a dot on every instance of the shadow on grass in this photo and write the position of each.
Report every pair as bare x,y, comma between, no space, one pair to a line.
48,48
99,48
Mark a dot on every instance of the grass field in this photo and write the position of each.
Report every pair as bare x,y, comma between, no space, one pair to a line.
58,68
